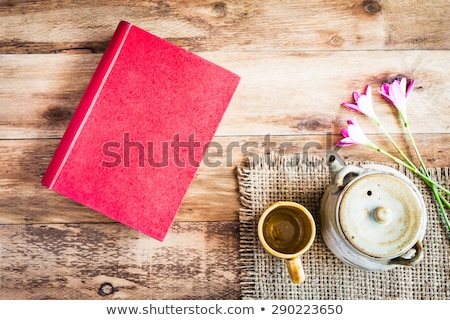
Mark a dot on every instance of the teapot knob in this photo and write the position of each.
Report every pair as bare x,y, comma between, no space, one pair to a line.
382,214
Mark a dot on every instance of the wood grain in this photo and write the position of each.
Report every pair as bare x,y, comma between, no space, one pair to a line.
213,195
298,61
57,26
280,93
110,261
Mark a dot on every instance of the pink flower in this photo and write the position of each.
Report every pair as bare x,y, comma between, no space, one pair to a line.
353,134
363,103
397,93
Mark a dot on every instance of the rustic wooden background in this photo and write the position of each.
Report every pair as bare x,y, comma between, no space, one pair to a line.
298,61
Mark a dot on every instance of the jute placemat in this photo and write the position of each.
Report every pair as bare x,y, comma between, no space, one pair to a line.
270,178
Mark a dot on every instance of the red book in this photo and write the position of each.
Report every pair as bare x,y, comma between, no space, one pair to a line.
140,130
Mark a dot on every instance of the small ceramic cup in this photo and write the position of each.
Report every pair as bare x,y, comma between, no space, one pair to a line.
287,230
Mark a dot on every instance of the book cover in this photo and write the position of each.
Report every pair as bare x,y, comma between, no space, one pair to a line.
139,133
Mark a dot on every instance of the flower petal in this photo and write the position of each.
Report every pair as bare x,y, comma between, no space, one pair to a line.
345,142
410,88
398,96
345,132
403,86
368,91
363,103
385,88
351,106
353,134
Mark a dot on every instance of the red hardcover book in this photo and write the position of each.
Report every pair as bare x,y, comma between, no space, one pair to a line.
139,133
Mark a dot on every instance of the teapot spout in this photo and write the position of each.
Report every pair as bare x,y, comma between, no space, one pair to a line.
335,163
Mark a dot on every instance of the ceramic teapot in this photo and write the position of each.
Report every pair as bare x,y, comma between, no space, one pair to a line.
372,216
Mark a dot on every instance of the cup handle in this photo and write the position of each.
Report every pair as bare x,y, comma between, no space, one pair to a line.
413,260
295,269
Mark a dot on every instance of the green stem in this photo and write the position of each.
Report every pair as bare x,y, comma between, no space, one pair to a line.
388,136
444,214
412,168
438,196
432,184
445,201
413,142
440,199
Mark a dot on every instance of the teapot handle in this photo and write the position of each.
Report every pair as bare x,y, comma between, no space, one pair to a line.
410,261
339,180
340,171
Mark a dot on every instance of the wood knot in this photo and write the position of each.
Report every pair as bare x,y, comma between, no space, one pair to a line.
219,9
312,123
336,41
106,289
57,114
371,7
397,77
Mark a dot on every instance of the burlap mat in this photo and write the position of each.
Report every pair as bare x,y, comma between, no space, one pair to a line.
271,178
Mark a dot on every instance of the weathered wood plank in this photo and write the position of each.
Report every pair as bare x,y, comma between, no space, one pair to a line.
38,92
279,94
213,195
54,26
298,61
110,261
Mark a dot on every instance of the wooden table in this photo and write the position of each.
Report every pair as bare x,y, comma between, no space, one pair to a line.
298,61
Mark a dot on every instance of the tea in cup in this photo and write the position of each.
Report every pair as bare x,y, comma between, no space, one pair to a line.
287,230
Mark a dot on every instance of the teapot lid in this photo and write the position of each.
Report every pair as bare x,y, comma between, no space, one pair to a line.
380,215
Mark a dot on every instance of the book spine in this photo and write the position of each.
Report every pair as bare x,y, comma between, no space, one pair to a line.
86,104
